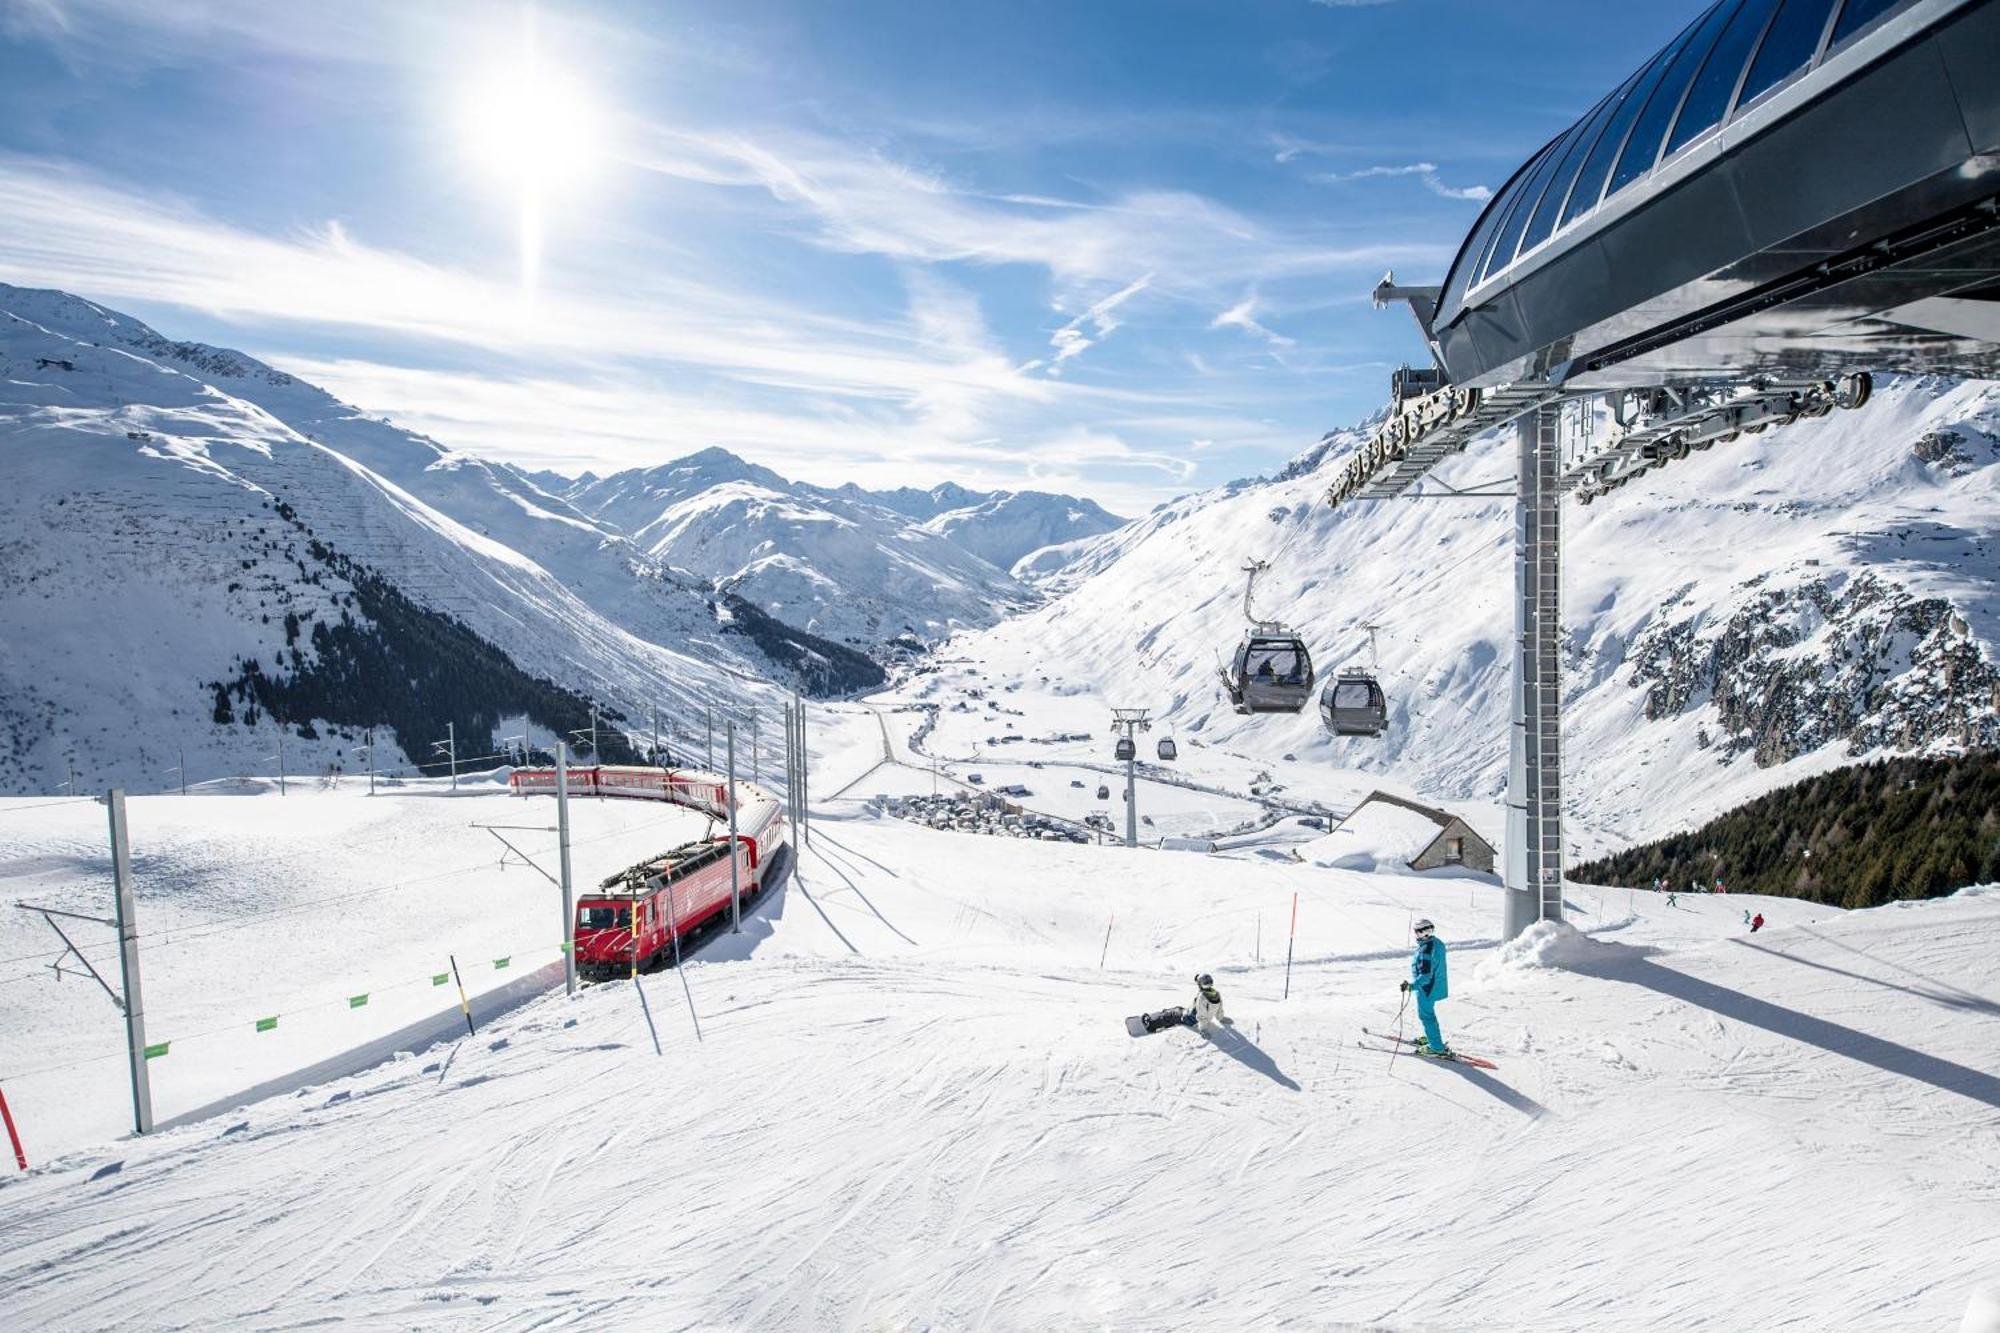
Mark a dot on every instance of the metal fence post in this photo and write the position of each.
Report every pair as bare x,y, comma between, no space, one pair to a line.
735,847
128,963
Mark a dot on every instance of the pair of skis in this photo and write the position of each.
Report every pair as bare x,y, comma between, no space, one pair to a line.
1391,1045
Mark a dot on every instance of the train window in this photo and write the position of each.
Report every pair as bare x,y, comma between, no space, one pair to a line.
1709,97
603,918
1590,181
1788,47
1642,150
1858,14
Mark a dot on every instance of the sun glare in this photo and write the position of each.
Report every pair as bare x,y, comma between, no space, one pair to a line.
536,132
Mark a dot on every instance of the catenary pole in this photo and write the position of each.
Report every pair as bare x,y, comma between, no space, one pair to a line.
735,847
281,759
182,758
791,782
128,964
562,853
708,734
371,761
805,773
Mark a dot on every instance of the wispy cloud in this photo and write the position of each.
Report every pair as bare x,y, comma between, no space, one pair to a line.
1426,172
865,202
1071,340
1243,315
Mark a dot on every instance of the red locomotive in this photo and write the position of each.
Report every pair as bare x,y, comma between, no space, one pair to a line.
635,915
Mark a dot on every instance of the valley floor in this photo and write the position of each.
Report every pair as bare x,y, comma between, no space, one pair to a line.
911,1103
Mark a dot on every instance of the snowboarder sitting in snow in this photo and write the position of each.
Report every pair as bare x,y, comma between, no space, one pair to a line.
1205,1013
1427,979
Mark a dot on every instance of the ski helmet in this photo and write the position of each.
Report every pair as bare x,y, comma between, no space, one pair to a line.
1203,979
1423,926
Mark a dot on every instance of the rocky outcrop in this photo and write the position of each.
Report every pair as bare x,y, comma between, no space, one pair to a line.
1854,659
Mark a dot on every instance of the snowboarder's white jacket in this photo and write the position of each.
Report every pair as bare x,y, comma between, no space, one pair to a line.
1207,1007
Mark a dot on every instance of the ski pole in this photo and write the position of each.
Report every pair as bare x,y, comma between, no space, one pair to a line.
1397,1049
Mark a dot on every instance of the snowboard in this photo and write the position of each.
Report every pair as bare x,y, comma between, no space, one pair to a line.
1140,1025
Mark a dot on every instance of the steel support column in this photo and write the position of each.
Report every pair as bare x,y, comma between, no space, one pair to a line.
1534,777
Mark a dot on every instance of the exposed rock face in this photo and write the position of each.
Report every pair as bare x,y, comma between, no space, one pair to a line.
1855,659
1952,451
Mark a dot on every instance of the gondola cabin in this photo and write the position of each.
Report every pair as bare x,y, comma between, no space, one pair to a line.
636,914
1168,750
1103,792
1354,705
1272,672
1126,749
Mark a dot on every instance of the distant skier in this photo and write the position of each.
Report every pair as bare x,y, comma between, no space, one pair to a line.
1427,979
1672,898
1746,916
1756,923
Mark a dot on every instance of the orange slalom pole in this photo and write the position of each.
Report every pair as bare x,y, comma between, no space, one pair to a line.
14,1135
1288,944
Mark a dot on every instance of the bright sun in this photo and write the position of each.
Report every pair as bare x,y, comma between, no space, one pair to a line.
537,133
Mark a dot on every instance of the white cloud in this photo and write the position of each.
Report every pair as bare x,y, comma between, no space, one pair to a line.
1070,340
1243,315
1426,172
864,202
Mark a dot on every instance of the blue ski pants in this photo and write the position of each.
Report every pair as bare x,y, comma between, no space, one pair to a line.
1427,1014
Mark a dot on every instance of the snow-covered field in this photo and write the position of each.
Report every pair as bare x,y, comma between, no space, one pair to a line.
911,1102
255,905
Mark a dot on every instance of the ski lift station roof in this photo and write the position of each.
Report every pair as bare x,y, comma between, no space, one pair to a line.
1789,187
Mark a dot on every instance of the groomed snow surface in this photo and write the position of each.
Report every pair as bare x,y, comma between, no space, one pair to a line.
912,1103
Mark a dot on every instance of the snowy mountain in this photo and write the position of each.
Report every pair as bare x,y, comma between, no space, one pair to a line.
1007,527
1755,613
233,545
837,562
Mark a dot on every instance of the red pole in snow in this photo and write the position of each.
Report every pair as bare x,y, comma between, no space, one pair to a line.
20,1158
1288,944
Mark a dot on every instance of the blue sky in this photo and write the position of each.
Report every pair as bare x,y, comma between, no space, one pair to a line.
1121,248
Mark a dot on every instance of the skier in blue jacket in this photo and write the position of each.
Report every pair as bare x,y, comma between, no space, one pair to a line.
1427,979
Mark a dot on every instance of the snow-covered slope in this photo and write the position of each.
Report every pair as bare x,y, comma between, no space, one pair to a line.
161,530
1003,529
834,563
1761,610
911,1103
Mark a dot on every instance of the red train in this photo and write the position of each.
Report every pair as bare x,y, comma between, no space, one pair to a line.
637,913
